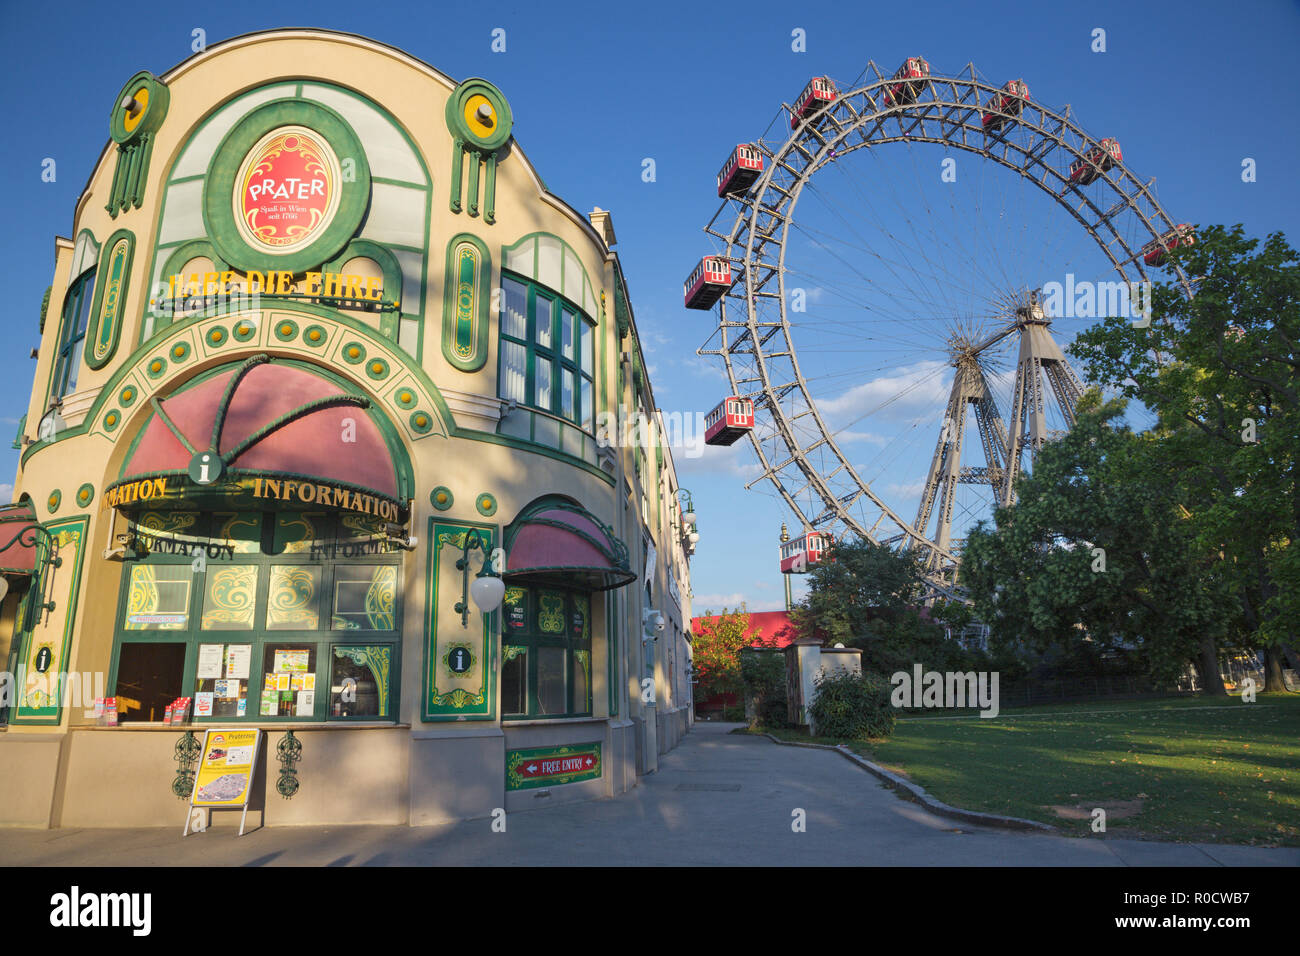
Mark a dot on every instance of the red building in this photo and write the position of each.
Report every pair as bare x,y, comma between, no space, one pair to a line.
766,629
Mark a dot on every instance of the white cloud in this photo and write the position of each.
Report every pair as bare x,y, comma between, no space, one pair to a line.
6,493
925,391
911,490
848,435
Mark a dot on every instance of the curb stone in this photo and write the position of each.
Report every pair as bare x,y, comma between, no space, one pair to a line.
910,791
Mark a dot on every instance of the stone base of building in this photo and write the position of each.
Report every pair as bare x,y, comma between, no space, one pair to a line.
99,777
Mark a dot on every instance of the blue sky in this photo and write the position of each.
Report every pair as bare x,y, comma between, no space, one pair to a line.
1189,88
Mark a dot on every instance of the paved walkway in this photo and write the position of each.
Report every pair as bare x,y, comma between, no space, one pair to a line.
716,800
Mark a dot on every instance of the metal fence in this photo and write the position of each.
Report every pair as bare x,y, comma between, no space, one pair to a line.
1029,692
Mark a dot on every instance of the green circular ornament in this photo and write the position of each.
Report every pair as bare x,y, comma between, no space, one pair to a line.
479,115
139,109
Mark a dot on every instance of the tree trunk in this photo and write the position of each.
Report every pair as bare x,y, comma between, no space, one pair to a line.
1273,681
1208,666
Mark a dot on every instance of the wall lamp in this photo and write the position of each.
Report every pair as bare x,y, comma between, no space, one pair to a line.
46,546
487,589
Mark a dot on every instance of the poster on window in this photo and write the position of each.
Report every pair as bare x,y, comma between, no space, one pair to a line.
210,659
239,659
291,661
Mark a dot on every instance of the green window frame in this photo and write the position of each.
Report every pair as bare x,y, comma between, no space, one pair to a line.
547,352
546,653
72,334
203,606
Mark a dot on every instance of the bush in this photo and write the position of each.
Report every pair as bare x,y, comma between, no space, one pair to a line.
855,706
763,674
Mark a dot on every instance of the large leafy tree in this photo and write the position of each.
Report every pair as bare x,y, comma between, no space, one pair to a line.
856,583
868,595
1096,550
1220,370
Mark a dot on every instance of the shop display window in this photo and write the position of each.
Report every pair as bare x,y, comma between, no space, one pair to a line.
360,680
252,629
546,658
221,679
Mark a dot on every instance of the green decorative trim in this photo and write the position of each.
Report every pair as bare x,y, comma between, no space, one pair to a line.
622,312
70,533
389,322
157,368
107,313
421,422
179,352
475,137
219,188
85,495
377,369
457,703
112,420
134,136
286,330
54,500
143,356
315,336
405,397
217,336
244,331
546,451
478,142
149,120
354,353
523,766
466,305
532,276
486,505
127,396
407,327
441,498
45,307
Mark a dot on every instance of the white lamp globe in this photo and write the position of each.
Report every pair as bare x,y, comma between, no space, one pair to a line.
693,537
487,593
688,518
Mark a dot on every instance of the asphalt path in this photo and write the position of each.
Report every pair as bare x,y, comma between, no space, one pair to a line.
718,799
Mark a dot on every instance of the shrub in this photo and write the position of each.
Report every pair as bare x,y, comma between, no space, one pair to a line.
855,706
763,674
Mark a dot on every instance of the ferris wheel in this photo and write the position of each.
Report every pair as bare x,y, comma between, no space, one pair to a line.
896,263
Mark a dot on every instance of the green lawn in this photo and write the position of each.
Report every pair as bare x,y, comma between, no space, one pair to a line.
1188,769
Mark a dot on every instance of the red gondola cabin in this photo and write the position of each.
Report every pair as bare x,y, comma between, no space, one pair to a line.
911,76
1008,102
732,418
707,284
1153,253
819,91
742,168
803,550
1097,160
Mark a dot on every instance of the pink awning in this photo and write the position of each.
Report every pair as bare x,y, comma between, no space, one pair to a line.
565,544
17,540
